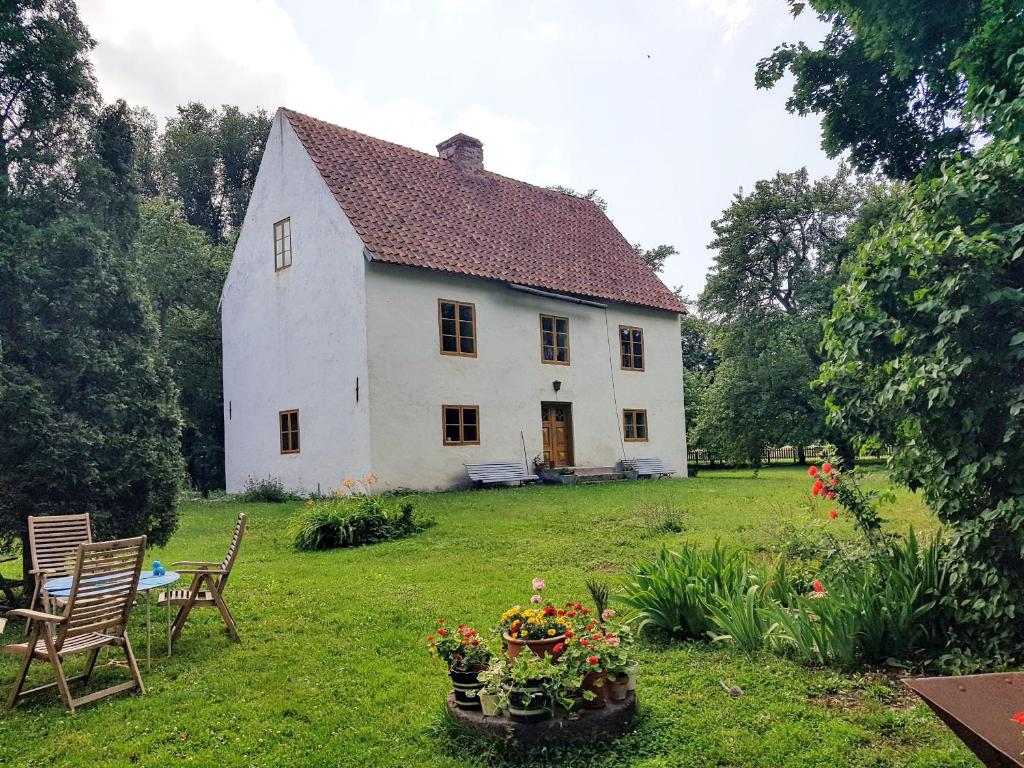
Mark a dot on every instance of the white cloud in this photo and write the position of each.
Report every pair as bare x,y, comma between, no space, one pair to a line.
249,53
732,15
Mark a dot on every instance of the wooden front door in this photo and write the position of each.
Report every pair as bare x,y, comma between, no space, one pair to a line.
556,423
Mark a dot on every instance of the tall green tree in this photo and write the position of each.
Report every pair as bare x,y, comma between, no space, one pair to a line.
89,419
891,76
780,252
926,353
89,410
209,160
183,274
47,94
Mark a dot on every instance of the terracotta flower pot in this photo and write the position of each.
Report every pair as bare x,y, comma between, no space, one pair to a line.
466,686
596,683
539,647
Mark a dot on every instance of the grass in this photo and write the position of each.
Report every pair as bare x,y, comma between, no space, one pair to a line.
332,667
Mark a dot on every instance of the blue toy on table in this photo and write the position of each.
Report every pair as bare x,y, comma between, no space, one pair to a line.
158,568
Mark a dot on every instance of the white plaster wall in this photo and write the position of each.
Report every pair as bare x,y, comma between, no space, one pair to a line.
410,379
295,338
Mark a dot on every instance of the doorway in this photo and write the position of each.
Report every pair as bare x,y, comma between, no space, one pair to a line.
556,425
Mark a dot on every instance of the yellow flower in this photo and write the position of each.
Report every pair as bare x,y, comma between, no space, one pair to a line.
523,633
309,502
551,633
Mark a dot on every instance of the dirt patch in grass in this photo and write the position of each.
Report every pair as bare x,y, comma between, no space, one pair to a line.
883,689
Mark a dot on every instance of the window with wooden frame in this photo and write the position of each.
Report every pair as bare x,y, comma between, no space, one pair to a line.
634,425
282,244
456,322
460,424
631,345
554,340
289,424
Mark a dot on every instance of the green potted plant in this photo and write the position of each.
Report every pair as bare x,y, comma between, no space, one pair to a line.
466,654
528,686
494,688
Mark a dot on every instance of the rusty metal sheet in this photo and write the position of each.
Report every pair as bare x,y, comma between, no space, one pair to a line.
979,709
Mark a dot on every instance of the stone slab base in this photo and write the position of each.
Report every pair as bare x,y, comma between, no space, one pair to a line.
611,722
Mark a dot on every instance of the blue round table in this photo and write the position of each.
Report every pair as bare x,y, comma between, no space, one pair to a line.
147,581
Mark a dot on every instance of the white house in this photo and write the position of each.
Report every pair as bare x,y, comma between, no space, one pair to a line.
395,313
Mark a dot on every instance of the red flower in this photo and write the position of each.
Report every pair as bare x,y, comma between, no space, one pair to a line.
597,636
586,611
818,586
560,612
570,633
558,649
440,621
826,468
818,487
458,657
592,659
812,471
476,641
585,643
830,495
442,631
1019,717
832,514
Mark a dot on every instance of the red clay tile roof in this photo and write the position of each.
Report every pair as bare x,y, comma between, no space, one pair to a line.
415,209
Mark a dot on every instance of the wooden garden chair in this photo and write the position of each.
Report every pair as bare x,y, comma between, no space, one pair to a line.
214,576
52,544
105,577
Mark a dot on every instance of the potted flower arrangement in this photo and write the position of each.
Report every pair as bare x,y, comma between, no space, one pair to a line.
599,654
530,687
466,655
540,627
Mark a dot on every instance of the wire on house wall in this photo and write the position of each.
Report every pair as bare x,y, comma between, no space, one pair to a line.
611,376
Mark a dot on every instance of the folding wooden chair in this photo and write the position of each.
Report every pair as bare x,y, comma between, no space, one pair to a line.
105,577
214,576
52,543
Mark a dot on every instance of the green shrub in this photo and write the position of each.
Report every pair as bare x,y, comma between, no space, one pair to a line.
269,490
673,592
355,520
887,608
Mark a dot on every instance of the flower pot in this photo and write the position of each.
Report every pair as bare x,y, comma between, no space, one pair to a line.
631,474
596,683
489,704
539,647
618,689
631,669
526,704
466,686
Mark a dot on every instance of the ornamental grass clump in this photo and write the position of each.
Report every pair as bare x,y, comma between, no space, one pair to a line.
354,520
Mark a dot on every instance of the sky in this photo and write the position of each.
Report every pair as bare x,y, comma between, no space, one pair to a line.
651,103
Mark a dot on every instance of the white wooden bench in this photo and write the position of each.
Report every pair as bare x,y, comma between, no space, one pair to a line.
491,474
650,467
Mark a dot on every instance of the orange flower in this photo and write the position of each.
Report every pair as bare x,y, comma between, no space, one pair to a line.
370,479
309,502
1019,717
348,483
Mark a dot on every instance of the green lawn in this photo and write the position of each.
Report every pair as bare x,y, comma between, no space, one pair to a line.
332,667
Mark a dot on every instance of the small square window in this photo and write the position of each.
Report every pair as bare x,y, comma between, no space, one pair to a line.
634,425
282,244
289,427
460,424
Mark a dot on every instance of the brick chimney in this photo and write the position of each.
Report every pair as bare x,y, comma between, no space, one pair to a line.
464,151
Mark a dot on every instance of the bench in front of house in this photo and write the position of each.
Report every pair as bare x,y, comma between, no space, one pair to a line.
491,474
650,467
